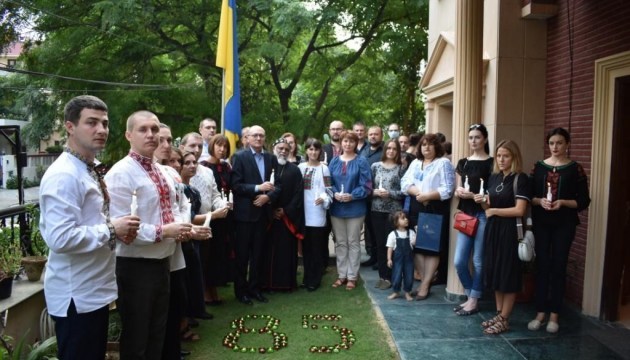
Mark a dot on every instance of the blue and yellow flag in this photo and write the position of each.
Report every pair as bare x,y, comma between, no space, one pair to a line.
227,58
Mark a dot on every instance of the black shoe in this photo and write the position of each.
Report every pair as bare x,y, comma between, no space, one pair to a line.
184,352
205,316
260,297
369,262
245,300
193,323
375,267
311,288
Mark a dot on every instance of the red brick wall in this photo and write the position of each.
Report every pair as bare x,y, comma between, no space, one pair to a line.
599,29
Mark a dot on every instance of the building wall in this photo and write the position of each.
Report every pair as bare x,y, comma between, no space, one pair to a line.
597,29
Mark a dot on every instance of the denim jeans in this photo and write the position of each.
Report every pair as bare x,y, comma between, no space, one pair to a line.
472,283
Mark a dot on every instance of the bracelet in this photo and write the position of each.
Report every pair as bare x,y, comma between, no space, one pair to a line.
112,235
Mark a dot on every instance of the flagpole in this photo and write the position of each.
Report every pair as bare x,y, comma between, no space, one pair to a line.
223,103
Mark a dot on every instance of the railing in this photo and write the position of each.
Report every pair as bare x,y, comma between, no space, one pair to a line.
15,222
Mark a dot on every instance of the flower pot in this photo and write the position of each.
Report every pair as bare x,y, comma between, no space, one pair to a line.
34,266
6,287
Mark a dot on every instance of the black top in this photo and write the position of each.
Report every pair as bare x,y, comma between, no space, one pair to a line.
473,170
568,182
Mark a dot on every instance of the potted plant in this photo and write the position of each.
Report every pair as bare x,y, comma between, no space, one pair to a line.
10,259
34,264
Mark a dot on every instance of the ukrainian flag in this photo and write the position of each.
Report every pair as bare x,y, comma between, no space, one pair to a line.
227,58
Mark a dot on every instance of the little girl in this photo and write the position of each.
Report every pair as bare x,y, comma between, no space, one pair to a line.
400,243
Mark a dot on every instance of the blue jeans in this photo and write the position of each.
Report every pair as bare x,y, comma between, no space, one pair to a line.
472,283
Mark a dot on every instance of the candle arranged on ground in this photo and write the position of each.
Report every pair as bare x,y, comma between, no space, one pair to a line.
134,204
481,187
466,185
549,196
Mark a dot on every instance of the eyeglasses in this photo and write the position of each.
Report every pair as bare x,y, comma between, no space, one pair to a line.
257,135
475,126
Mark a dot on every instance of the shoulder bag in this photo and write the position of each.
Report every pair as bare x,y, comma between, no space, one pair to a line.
526,242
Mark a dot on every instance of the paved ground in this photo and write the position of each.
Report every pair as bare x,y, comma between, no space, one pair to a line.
10,197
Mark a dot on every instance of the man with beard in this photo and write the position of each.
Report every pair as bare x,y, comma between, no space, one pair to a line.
333,149
280,260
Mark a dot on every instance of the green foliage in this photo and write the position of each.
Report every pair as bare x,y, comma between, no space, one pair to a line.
302,64
46,350
38,245
54,149
12,183
10,252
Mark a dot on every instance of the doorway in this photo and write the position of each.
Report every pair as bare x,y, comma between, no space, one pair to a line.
616,289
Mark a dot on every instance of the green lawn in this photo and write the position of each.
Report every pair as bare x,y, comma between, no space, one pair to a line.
372,338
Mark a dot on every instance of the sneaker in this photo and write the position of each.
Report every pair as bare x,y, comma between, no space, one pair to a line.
385,284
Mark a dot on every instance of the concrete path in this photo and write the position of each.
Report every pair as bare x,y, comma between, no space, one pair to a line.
9,198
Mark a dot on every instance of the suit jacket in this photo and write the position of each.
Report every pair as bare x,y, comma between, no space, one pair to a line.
245,177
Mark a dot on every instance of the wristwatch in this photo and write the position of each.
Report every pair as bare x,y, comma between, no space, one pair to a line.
112,235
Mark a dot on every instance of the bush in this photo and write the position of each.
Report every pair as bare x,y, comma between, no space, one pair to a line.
55,149
13,184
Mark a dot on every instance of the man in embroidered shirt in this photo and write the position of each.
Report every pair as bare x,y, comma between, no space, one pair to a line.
207,128
80,281
142,267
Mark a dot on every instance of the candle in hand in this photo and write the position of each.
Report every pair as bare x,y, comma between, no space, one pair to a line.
341,192
466,185
481,187
230,197
206,223
325,157
549,196
380,184
134,204
272,178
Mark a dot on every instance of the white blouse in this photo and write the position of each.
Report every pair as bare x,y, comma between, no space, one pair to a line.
315,186
438,175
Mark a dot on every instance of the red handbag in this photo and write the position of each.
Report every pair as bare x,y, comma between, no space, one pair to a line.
465,223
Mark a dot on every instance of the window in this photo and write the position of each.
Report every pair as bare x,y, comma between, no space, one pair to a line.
11,63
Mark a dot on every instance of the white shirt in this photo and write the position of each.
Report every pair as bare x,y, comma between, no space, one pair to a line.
81,266
124,177
314,187
438,176
205,154
177,260
391,238
204,182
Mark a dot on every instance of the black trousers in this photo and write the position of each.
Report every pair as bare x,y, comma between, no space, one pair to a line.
382,227
553,243
195,305
176,306
314,250
369,236
250,238
82,336
143,300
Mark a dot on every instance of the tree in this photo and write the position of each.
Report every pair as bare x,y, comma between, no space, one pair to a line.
301,63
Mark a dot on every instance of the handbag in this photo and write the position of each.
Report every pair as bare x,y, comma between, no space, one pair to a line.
466,224
526,242
429,232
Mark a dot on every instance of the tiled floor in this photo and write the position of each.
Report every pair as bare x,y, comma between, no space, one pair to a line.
430,329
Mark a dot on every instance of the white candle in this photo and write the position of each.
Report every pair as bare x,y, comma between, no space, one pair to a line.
222,194
325,157
206,223
230,197
272,178
481,187
341,189
134,204
466,185
380,184
549,196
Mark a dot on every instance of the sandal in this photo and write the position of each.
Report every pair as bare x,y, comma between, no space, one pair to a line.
351,284
500,325
339,282
488,323
188,335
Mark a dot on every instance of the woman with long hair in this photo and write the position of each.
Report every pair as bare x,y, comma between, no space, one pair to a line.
386,199
502,267
472,172
560,191
293,157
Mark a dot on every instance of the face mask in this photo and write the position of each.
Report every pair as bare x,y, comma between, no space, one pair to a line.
393,134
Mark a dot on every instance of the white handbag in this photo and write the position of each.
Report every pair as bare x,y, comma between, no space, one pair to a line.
526,247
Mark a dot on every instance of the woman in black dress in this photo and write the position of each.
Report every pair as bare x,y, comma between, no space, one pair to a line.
218,251
502,267
560,191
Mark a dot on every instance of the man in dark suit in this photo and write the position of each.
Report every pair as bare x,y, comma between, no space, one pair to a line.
333,149
254,192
